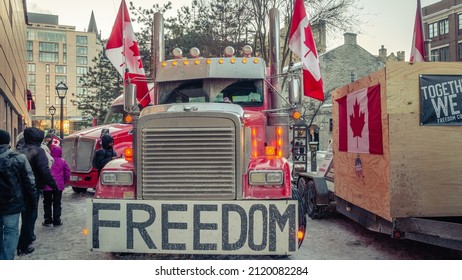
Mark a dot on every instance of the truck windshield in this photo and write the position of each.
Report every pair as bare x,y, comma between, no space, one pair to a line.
115,114
239,91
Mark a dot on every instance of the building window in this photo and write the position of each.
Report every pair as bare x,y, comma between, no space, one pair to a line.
432,30
444,26
82,60
60,69
459,19
64,58
441,54
353,75
47,68
48,57
47,100
81,40
459,56
82,50
60,79
58,101
81,91
81,70
47,89
31,67
29,45
30,56
47,79
31,78
31,88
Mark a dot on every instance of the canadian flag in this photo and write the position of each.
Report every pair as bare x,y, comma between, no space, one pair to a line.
418,49
122,50
301,42
360,121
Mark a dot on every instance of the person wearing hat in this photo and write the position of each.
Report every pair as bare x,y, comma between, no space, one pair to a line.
17,187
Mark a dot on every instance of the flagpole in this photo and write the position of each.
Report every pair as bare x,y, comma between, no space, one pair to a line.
123,44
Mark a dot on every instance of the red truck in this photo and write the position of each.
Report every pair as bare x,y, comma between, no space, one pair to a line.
79,147
205,168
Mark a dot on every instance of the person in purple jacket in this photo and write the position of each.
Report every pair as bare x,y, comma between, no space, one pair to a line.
52,198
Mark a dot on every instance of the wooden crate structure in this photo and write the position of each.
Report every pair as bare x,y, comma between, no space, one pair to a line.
419,173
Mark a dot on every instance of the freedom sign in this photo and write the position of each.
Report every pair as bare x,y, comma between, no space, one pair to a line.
440,100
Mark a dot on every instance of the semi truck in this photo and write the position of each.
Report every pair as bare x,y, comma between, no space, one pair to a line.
207,171
411,187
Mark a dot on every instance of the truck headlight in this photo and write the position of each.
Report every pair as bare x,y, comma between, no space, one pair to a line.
124,178
266,177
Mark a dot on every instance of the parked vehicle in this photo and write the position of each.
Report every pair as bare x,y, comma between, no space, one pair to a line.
413,188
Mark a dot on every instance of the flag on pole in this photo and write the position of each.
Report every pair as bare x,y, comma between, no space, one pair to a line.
122,50
301,42
360,121
418,49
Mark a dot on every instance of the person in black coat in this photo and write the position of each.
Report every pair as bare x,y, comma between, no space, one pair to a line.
17,187
105,154
33,138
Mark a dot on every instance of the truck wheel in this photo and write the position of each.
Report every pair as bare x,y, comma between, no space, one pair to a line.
79,190
308,192
312,209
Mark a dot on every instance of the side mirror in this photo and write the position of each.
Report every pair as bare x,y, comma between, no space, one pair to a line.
295,97
130,98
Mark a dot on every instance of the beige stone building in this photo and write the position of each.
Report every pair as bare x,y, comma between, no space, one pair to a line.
13,67
58,53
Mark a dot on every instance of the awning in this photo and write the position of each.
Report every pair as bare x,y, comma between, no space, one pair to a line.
30,101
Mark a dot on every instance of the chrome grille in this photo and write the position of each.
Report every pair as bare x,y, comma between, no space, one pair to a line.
78,153
188,162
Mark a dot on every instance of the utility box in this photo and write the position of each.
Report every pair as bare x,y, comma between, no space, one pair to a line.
419,172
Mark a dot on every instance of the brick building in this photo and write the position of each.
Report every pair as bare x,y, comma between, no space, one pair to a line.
443,30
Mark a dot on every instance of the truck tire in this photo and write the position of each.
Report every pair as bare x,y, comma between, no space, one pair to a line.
308,192
79,190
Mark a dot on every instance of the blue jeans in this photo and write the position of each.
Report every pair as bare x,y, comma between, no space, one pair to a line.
9,235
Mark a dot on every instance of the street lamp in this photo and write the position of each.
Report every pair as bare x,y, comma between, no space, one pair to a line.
52,110
61,90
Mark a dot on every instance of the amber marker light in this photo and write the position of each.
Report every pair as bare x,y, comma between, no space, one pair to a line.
221,61
164,63
233,60
197,61
255,61
185,62
209,61
296,115
85,231
175,63
300,234
244,61
128,118
128,154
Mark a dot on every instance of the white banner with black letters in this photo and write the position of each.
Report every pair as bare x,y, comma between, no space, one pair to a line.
440,99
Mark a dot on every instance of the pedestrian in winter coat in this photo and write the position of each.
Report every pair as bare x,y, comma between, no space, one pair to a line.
33,138
105,154
17,188
52,198
20,143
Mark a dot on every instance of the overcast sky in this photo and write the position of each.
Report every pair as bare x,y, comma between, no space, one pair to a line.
389,23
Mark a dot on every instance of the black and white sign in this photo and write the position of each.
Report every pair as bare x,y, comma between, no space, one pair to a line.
193,227
440,99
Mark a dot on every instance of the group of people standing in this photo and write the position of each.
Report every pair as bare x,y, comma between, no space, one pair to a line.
32,169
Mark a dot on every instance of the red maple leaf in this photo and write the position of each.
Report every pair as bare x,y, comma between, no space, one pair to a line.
134,49
307,40
357,121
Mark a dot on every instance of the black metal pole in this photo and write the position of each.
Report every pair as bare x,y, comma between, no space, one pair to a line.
61,119
52,121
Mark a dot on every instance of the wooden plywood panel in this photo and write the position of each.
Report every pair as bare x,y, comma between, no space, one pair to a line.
425,168
371,191
403,83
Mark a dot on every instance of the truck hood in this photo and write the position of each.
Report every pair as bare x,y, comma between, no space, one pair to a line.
115,130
